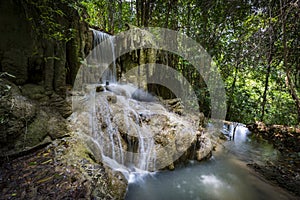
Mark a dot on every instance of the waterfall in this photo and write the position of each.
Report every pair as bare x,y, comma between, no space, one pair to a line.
135,152
110,73
125,127
119,135
132,136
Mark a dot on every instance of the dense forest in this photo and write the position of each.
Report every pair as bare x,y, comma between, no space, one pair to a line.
68,133
255,45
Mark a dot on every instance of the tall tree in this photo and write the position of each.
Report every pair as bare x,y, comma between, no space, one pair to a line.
287,9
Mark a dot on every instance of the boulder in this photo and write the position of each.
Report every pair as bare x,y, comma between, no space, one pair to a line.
60,104
35,92
204,147
100,88
112,98
25,124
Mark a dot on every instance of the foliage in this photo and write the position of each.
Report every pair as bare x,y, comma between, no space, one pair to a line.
47,18
254,43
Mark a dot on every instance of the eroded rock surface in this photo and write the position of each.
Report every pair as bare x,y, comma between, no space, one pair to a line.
143,134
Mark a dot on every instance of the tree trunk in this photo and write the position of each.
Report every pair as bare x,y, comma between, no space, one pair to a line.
138,12
111,17
263,105
289,81
293,91
49,65
230,100
59,69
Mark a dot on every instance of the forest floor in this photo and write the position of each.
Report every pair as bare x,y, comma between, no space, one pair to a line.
48,173
39,175
284,172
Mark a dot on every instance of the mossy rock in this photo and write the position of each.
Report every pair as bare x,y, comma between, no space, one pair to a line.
33,91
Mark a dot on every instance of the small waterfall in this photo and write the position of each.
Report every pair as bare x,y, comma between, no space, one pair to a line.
126,128
235,131
119,135
110,73
132,136
125,144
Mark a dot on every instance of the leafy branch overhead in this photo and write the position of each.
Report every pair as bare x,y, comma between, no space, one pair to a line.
255,45
48,18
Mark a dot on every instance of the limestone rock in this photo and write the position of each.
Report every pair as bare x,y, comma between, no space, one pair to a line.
204,149
100,88
112,98
61,105
174,105
35,92
132,131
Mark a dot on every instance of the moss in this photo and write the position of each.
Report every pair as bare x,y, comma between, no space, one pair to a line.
37,131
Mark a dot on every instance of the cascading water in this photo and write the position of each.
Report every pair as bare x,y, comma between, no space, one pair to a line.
99,36
125,127
131,135
119,135
120,147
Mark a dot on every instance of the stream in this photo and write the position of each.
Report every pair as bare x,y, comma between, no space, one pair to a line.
224,176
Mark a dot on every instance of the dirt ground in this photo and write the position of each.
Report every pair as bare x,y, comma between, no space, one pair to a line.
47,174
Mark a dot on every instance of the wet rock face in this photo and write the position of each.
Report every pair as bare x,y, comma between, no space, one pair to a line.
141,134
15,45
28,55
25,123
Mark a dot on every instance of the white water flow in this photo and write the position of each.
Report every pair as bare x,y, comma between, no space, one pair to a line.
120,122
110,73
125,143
132,136
139,143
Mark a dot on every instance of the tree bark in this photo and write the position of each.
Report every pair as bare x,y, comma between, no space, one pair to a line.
263,105
49,64
293,91
230,100
289,81
59,69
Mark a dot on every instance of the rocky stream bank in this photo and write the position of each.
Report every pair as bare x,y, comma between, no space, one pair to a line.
285,172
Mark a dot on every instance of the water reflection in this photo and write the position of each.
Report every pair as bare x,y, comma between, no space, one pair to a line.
249,150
